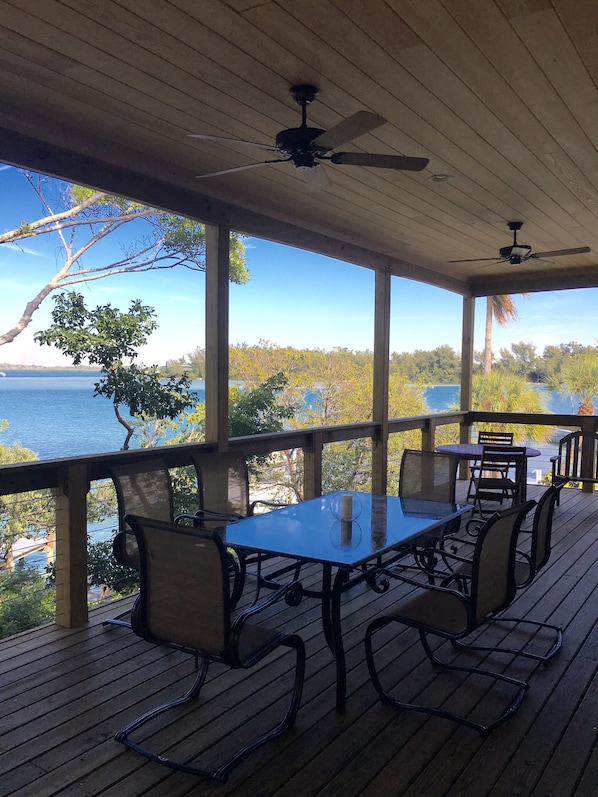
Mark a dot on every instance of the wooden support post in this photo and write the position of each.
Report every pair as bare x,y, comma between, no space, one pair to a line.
381,378
312,467
588,427
429,435
466,374
217,312
71,547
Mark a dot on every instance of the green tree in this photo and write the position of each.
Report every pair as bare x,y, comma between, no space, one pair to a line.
555,357
108,338
25,601
24,514
500,392
578,379
522,360
80,219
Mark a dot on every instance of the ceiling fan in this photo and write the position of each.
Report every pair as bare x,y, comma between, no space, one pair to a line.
306,147
518,253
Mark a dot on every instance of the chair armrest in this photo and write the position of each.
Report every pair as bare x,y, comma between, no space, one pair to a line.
273,504
421,584
292,593
213,515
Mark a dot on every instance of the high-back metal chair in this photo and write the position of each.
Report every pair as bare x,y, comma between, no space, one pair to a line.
450,613
223,481
142,488
145,488
491,438
527,567
501,476
428,477
576,449
185,604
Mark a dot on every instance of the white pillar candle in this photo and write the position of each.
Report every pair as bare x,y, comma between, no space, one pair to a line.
346,507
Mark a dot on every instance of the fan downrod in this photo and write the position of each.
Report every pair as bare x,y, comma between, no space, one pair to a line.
303,94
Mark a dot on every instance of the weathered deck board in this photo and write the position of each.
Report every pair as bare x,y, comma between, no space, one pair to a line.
66,692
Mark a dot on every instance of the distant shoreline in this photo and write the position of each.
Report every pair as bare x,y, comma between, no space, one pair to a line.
54,368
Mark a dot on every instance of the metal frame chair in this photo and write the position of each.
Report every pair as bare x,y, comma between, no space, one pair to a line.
487,437
527,566
185,604
145,488
567,464
428,477
451,614
223,481
501,475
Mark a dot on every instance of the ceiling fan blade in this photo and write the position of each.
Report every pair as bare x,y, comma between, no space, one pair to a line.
558,252
350,128
223,140
380,161
316,178
478,260
241,168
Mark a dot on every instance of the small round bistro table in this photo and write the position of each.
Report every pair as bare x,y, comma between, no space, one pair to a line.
473,451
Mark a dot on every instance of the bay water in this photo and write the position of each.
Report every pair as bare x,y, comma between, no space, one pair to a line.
55,414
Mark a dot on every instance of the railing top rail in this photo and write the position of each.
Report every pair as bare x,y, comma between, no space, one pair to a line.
51,473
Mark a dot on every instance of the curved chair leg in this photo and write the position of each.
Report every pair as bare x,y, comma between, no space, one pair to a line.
544,658
482,728
221,773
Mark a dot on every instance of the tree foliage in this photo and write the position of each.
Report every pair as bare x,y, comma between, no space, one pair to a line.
25,601
578,379
23,514
503,393
108,338
81,219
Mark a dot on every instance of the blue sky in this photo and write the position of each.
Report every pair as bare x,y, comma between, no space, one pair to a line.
293,298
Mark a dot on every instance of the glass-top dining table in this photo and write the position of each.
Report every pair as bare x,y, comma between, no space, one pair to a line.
343,531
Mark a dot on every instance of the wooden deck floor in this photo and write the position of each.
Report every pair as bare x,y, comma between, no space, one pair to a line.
65,693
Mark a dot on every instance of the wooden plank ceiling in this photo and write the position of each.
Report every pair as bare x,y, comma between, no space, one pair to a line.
500,94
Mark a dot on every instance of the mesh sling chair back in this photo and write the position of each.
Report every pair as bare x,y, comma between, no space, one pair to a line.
184,603
145,488
142,488
429,477
527,566
223,480
451,614
487,437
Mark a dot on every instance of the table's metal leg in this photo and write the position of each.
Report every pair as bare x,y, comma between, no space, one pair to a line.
331,624
337,639
326,605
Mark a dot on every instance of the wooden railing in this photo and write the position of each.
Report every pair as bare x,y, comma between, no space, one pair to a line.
70,479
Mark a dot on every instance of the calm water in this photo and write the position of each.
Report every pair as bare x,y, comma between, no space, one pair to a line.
56,415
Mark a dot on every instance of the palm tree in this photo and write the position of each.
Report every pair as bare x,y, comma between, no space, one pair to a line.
578,378
501,393
503,309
